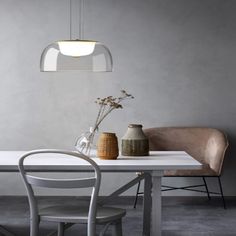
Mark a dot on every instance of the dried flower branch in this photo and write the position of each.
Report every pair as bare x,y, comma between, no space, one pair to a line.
107,105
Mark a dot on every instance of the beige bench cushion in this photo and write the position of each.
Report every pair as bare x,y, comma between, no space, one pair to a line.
206,145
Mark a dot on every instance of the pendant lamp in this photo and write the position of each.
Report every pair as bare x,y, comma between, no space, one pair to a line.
76,54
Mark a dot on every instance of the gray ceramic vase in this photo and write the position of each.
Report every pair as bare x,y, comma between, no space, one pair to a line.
134,142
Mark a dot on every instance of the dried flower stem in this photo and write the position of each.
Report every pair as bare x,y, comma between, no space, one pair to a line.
107,105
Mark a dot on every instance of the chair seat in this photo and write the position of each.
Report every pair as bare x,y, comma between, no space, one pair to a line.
78,214
204,171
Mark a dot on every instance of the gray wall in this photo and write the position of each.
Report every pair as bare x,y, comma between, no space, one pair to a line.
177,57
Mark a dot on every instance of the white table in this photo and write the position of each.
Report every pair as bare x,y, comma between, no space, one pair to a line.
153,167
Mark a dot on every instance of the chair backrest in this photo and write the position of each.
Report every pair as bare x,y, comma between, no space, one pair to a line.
206,145
93,182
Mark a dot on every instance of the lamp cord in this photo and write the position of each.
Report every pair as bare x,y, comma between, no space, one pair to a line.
70,19
81,19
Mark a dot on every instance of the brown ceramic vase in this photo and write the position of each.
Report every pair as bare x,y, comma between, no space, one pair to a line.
107,146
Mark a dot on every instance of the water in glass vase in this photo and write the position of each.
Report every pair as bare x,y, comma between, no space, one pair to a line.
85,143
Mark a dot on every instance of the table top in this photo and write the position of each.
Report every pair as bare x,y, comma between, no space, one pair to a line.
157,160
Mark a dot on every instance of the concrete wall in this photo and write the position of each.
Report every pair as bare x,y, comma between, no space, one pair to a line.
177,57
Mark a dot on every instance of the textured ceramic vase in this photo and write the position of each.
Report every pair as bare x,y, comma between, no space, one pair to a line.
107,147
134,142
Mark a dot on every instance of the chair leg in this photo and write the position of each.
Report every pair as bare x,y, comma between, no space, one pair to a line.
105,227
34,226
221,192
136,196
60,229
117,228
205,183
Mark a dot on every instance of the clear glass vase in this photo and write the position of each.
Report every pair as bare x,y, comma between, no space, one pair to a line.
85,142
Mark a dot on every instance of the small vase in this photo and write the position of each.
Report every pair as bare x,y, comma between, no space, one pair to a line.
107,146
134,142
85,142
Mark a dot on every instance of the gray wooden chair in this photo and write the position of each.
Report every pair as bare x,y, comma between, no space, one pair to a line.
206,145
66,214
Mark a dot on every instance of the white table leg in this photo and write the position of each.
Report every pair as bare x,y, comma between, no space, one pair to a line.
156,203
147,204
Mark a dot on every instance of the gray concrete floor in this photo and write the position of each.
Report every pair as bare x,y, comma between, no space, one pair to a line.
182,216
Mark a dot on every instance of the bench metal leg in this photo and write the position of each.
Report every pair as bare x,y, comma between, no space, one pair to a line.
221,192
137,193
205,183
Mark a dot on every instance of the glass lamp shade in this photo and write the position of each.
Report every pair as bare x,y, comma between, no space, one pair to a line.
86,55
